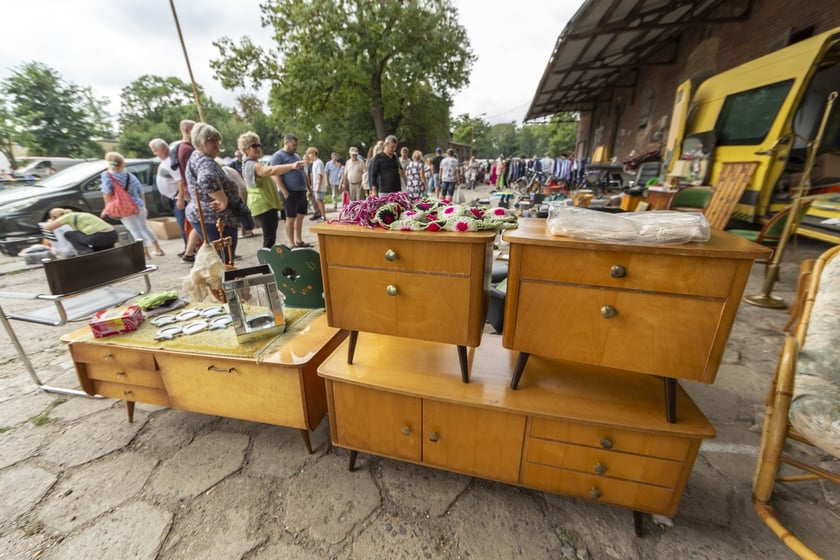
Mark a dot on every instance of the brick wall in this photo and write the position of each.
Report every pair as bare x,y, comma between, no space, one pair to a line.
704,50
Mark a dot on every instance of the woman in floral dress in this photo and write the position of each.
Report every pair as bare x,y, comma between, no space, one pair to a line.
415,177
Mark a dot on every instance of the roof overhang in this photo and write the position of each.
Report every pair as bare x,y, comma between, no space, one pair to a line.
607,41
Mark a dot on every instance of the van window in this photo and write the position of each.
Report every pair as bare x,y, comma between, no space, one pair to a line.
747,116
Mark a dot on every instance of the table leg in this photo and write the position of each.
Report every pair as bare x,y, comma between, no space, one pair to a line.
639,523
352,465
351,346
129,408
465,368
670,399
520,367
304,433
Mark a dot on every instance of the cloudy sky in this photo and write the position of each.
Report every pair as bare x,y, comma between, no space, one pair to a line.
107,44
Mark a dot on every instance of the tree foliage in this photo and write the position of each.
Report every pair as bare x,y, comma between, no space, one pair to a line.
50,116
351,69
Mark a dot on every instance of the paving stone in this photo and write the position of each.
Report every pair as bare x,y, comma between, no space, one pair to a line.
17,444
21,408
287,552
279,452
396,538
170,430
408,486
200,465
95,488
78,407
132,531
21,487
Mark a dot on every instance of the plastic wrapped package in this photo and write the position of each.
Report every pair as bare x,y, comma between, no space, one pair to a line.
657,227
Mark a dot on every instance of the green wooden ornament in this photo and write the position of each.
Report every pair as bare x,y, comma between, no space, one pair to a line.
298,274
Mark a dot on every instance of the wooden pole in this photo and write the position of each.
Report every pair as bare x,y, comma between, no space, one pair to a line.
187,59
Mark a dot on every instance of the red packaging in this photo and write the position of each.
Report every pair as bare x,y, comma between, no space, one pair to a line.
118,320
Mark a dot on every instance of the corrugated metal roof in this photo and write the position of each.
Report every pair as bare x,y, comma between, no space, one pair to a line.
606,41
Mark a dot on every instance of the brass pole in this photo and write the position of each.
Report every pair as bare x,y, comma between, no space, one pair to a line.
765,298
187,59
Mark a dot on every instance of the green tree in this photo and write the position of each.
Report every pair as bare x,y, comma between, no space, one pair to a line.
52,117
351,69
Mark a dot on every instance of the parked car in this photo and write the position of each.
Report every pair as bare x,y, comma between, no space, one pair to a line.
38,168
76,188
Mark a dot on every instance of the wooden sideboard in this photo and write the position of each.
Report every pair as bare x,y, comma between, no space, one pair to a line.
663,310
278,387
421,285
587,432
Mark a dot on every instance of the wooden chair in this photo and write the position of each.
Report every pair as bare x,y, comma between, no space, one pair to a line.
79,287
733,179
804,399
692,199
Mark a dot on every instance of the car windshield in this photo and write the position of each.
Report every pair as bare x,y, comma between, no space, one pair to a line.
72,174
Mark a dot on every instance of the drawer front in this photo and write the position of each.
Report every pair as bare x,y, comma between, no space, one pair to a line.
399,254
131,393
123,358
666,335
661,273
611,464
424,306
471,440
235,389
615,439
116,374
634,495
376,421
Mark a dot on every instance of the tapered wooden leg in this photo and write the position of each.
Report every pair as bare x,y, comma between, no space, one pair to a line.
351,346
352,465
465,368
129,408
671,399
639,523
520,367
304,433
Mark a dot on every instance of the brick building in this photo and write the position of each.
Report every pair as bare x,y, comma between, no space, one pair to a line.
618,62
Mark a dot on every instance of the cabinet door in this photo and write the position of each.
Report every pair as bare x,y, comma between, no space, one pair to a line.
381,423
473,440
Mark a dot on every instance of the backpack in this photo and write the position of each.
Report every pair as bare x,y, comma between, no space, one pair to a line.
173,155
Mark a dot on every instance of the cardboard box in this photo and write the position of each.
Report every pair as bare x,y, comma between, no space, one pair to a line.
826,169
118,320
165,228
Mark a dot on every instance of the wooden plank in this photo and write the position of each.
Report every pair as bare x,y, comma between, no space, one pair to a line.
731,183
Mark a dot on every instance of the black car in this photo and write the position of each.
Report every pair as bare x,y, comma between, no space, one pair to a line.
75,188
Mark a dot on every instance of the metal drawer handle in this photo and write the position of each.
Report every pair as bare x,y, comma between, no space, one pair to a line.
618,271
391,290
121,374
434,437
405,430
600,468
391,255
221,370
608,312
594,493
606,442
108,357
128,393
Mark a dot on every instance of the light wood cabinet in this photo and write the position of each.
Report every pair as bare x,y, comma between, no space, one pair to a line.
664,310
427,286
282,389
587,432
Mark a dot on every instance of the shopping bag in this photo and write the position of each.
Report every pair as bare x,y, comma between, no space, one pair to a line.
121,203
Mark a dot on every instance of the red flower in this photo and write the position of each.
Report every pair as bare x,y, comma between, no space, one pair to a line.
477,212
462,226
433,227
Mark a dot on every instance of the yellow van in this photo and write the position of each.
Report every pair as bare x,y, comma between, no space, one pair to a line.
768,110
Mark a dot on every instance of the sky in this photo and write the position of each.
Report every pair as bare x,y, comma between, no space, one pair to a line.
107,44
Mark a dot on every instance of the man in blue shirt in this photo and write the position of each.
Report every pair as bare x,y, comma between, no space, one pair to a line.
334,173
293,186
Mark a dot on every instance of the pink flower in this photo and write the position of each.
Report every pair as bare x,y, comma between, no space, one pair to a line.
499,212
448,210
477,212
433,227
462,226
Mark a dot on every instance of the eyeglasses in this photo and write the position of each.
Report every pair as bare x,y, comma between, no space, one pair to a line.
255,146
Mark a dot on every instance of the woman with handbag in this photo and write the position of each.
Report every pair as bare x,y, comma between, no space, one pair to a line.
130,210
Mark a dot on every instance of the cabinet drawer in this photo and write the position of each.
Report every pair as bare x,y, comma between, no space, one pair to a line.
131,393
635,495
611,464
125,358
425,306
604,437
666,335
125,376
235,389
376,421
661,273
428,256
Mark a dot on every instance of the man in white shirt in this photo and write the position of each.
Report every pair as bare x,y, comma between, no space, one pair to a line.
449,175
169,183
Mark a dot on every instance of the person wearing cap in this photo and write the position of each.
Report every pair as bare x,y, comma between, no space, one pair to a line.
435,178
354,169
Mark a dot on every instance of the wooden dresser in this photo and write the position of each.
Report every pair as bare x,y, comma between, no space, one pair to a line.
421,285
663,310
587,432
280,387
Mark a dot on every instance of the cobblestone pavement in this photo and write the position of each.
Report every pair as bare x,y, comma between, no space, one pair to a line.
78,482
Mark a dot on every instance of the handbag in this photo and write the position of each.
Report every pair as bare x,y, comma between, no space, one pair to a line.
121,203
